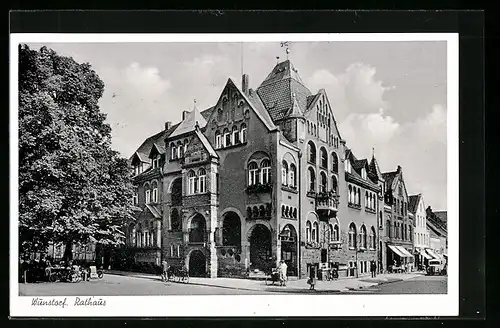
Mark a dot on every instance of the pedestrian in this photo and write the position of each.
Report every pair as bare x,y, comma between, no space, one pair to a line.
312,278
164,265
373,268
282,272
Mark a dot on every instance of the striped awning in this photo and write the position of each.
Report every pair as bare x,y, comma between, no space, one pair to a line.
433,254
424,254
396,251
404,251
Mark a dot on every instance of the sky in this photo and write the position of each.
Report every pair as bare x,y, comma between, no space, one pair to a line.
386,96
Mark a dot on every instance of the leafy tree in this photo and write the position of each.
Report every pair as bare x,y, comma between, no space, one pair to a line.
73,188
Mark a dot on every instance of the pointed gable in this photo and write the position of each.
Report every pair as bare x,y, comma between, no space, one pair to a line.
193,119
413,201
278,88
375,169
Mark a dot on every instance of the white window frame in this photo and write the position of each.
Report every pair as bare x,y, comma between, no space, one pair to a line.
202,182
253,175
135,198
308,231
291,177
234,135
243,132
178,250
315,232
218,143
192,184
265,174
173,154
148,196
363,173
226,135
155,195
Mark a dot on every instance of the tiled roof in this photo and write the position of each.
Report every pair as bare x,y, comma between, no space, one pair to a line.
443,215
260,108
413,203
389,178
206,143
158,139
359,164
278,89
375,169
311,99
188,125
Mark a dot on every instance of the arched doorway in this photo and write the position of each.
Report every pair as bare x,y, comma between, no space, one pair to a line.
197,264
197,229
231,230
288,237
260,248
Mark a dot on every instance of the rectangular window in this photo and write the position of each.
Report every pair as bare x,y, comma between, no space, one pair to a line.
171,250
148,196
291,183
227,139
235,137
265,175
178,250
243,135
218,141
253,177
135,199
192,185
202,184
155,195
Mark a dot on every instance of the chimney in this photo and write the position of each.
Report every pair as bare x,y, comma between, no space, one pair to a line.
184,114
245,84
168,125
399,168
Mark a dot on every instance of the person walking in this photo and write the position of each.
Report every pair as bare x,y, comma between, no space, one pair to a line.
164,273
282,269
373,268
312,278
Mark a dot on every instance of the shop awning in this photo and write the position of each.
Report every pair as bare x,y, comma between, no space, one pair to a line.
431,253
424,254
396,250
404,251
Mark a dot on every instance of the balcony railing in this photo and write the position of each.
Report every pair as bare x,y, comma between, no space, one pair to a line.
327,204
259,188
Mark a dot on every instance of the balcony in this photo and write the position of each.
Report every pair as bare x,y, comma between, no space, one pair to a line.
259,188
327,204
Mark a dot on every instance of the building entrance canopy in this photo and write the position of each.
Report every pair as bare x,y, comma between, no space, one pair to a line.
431,253
404,251
396,251
424,254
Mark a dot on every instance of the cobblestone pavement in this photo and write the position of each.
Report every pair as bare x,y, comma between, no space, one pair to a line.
417,285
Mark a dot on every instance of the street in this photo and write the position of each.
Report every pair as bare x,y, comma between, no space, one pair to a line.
117,285
419,285
112,285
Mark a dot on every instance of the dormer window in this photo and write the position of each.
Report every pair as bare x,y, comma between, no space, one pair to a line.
156,162
348,165
173,154
363,173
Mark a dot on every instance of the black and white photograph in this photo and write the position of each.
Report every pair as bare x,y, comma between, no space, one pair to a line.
212,174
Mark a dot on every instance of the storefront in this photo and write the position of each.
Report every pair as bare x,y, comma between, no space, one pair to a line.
399,259
422,258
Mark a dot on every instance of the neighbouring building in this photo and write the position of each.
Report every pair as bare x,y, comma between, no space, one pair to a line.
398,226
438,234
262,176
421,236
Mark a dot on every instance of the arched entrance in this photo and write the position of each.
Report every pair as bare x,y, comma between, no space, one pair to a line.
288,237
197,264
260,248
231,230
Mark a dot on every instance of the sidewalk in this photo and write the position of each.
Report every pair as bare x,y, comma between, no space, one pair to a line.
293,286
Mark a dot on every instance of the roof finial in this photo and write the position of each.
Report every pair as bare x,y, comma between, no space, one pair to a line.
373,152
194,103
286,45
277,59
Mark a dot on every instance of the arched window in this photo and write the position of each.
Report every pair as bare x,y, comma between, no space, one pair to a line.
193,183
155,191
197,229
334,184
349,194
173,154
262,211
331,233
283,210
352,235
362,236
180,150
359,196
147,190
324,158
218,140
253,174
335,163
312,179
367,200
243,133
185,145
202,180
265,168
372,238
315,232
235,135
311,152
284,173
292,174
255,211
324,182
227,137
336,232
308,231
410,233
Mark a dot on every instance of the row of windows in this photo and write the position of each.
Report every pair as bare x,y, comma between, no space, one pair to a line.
260,175
312,128
334,141
139,168
323,186
288,174
370,199
228,138
312,232
398,231
197,182
421,238
361,239
145,235
231,115
175,250
151,193
288,212
177,150
323,116
401,207
311,157
259,212
354,195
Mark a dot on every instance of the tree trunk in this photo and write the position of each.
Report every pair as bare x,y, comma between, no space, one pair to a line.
68,251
